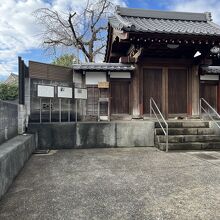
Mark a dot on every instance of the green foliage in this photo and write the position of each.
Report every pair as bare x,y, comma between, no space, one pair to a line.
66,60
8,92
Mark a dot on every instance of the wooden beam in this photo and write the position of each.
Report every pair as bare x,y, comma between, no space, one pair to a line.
126,59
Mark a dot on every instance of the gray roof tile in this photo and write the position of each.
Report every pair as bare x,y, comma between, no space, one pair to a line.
104,66
140,20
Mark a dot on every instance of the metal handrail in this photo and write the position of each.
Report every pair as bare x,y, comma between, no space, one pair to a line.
210,107
163,119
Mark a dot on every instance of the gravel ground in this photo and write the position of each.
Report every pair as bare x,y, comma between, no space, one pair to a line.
117,183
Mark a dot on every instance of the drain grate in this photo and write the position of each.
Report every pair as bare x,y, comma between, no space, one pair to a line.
206,156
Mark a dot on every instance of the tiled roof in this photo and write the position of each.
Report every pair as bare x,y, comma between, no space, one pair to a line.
211,69
104,66
140,20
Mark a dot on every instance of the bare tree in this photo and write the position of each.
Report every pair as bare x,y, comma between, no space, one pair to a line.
85,30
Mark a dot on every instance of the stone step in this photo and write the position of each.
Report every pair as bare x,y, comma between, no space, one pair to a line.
191,146
185,131
188,138
184,124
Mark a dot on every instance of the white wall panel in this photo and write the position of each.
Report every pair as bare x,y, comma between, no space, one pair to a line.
209,77
120,75
92,78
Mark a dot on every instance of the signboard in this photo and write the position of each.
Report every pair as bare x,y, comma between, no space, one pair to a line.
45,91
65,92
80,93
103,85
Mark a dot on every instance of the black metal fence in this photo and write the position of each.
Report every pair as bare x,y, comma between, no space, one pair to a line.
8,120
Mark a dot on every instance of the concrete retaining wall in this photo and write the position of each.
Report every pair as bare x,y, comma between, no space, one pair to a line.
93,134
8,120
13,154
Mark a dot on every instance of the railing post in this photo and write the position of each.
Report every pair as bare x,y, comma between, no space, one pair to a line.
200,108
167,136
150,108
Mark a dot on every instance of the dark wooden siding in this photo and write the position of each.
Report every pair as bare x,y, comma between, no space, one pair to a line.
120,96
177,91
50,72
209,91
152,85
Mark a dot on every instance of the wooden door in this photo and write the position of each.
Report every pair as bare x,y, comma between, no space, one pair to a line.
92,100
120,96
209,91
152,87
177,91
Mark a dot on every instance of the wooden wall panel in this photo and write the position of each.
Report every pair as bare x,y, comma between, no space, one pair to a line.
50,72
177,91
120,96
152,87
209,91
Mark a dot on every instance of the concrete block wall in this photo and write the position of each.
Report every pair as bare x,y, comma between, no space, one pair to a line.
93,134
13,154
8,120
22,119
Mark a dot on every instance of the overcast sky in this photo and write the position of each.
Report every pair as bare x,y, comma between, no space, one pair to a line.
19,34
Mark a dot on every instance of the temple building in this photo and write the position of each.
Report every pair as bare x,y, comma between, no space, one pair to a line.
172,57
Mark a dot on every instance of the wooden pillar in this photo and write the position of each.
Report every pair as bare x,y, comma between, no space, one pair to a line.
135,93
195,90
165,92
189,91
218,97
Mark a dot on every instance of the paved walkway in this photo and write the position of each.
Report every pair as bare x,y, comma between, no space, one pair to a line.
129,183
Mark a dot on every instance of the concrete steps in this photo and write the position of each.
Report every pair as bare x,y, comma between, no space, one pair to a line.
188,138
185,124
187,135
191,146
185,131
